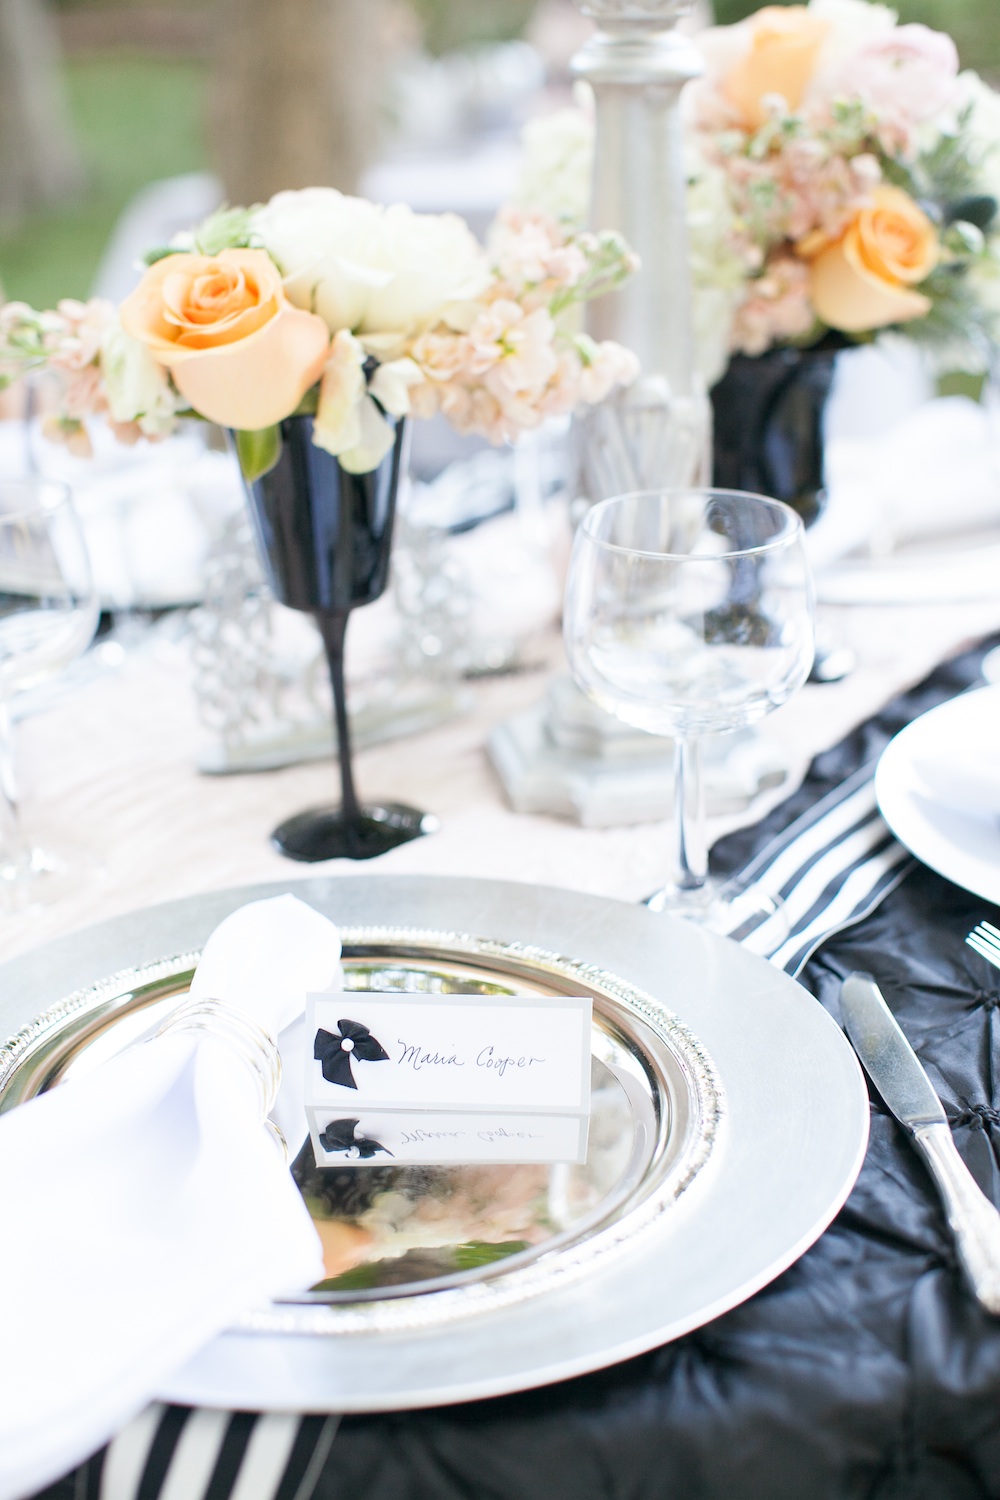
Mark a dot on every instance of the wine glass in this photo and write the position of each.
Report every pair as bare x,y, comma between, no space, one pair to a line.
48,612
690,612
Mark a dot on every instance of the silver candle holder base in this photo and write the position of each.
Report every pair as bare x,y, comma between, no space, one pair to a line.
567,757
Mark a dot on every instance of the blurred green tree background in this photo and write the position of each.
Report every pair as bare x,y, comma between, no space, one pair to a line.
138,72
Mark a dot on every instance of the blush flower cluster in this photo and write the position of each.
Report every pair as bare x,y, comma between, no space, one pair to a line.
321,304
516,355
84,367
853,196
842,175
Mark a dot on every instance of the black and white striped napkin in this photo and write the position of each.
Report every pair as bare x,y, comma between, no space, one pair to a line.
178,1453
826,871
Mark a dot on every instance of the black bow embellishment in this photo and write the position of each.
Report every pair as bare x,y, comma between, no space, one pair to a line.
335,1052
339,1136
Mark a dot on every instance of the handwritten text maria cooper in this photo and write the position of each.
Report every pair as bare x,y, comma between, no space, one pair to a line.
412,1055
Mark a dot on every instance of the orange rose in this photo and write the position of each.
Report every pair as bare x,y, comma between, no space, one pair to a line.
784,45
237,349
865,279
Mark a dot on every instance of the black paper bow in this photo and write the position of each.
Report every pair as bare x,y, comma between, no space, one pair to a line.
329,1049
339,1136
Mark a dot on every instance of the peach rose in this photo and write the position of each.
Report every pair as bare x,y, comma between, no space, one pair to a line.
784,45
866,278
237,349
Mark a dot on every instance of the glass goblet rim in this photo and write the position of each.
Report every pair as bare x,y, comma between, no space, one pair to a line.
792,535
52,494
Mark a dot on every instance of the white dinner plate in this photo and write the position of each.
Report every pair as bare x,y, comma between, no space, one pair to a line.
931,572
793,1137
963,848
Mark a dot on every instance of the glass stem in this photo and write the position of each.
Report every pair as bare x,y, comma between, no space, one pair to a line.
333,628
13,848
690,852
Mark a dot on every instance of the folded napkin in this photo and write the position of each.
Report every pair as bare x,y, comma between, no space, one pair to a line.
934,473
823,873
967,781
145,1204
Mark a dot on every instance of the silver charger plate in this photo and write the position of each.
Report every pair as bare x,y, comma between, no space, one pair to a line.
743,1112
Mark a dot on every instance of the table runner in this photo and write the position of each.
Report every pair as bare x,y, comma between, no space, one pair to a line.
865,1372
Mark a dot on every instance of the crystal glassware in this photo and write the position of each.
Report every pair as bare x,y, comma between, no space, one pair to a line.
48,612
690,612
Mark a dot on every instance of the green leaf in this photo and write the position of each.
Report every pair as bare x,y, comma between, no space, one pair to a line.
226,229
160,253
258,452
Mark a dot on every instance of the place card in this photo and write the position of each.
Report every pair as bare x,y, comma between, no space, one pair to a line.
395,1137
447,1078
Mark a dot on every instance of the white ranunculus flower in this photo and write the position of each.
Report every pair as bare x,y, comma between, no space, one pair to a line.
383,273
854,25
137,387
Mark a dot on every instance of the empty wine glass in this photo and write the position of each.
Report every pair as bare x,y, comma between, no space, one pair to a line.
48,611
690,612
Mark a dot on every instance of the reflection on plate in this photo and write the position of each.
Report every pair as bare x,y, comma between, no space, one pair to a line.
963,848
478,1237
795,1130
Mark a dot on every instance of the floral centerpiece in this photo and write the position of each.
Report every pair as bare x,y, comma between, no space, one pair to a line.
861,174
312,326
321,304
843,176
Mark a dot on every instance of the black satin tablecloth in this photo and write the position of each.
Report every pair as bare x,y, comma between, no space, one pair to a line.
866,1371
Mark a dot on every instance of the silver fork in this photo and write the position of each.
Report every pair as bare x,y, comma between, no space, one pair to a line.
984,939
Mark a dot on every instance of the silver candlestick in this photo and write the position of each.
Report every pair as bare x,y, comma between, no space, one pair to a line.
657,432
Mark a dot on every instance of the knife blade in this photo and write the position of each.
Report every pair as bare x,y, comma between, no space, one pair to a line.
897,1073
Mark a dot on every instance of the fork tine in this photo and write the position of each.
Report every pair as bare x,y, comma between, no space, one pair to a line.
987,933
984,948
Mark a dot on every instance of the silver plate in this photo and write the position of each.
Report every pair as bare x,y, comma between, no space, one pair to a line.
629,1274
656,1110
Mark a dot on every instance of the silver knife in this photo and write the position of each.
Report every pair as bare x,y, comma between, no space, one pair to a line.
894,1069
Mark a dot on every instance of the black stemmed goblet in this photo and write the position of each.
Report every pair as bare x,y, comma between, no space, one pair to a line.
325,537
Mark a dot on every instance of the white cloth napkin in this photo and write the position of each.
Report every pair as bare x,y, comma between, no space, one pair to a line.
145,1206
935,472
966,781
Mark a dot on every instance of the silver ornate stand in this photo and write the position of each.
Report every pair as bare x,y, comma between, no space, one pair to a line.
264,705
658,431
566,755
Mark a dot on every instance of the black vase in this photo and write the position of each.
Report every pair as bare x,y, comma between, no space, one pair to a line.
325,538
768,424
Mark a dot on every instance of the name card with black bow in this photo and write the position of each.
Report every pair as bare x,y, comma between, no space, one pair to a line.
394,1078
